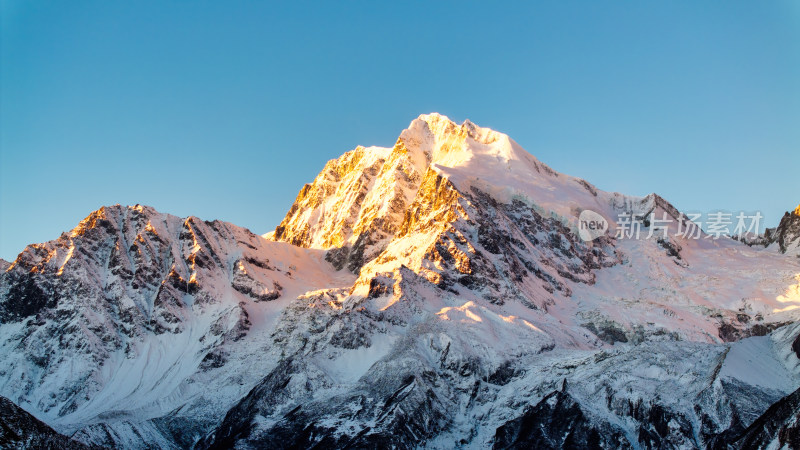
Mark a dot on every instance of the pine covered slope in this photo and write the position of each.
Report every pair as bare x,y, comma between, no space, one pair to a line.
435,293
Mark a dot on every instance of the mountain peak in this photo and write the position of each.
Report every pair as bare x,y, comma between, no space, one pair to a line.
442,123
448,143
367,191
106,215
787,233
475,157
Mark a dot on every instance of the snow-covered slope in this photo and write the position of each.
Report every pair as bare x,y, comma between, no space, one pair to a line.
133,315
436,293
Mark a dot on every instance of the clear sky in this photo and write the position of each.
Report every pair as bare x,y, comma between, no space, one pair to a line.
224,109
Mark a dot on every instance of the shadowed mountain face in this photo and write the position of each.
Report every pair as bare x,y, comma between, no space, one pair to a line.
778,427
558,422
18,429
436,293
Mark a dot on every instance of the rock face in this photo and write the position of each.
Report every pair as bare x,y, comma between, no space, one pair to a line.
558,422
434,294
350,205
787,234
19,430
779,427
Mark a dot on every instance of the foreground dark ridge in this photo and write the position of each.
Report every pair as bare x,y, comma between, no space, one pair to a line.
18,429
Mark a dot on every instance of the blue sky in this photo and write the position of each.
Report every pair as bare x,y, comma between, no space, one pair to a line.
224,109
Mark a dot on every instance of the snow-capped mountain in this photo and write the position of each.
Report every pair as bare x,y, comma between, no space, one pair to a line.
435,294
119,329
